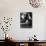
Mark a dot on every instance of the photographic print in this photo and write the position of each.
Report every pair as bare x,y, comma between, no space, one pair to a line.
26,19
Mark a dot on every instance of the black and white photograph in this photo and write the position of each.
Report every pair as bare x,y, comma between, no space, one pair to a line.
26,19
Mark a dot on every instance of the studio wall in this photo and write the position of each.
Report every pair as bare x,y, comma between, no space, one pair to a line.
12,8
